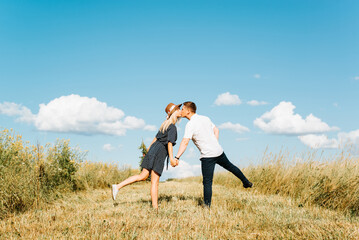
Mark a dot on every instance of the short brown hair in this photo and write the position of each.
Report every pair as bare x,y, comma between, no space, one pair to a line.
191,106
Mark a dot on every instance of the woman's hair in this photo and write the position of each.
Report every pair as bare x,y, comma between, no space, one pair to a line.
171,120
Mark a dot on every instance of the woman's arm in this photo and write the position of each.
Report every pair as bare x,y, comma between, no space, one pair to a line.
170,155
154,140
170,150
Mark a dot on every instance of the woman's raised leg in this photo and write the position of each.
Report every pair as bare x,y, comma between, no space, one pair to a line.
140,177
155,179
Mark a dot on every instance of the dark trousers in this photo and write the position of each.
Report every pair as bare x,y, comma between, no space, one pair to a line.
208,165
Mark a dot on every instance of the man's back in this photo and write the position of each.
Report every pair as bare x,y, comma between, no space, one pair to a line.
201,130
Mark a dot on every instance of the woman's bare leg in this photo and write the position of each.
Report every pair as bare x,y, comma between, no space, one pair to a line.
140,177
155,179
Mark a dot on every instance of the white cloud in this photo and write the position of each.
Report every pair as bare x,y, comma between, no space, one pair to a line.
256,103
108,147
344,140
183,170
282,120
77,114
22,113
319,141
134,123
349,138
227,99
356,78
150,128
191,153
234,127
257,76
350,141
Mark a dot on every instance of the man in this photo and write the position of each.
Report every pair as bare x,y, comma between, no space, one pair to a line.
204,135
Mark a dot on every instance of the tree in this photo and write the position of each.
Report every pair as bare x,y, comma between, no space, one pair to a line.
143,149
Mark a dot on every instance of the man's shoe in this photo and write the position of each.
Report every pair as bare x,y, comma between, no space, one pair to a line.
247,185
114,191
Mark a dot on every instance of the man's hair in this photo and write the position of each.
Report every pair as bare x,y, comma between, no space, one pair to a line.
191,106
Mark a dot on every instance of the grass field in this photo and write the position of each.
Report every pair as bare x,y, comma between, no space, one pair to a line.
236,213
51,192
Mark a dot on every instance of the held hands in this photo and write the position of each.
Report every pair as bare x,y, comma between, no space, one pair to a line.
174,162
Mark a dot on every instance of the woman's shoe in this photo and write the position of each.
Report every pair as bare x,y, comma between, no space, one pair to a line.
114,191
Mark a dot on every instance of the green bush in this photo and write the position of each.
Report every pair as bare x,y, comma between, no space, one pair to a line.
17,171
32,175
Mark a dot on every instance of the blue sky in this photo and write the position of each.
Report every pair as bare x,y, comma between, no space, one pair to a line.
101,74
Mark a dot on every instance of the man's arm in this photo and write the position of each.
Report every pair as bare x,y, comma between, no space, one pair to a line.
182,147
216,132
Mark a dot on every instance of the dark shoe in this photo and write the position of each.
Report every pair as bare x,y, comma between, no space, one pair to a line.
247,184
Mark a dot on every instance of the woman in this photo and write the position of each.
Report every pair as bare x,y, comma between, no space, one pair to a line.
154,161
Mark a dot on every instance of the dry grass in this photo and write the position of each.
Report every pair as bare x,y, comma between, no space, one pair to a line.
235,214
309,178
295,197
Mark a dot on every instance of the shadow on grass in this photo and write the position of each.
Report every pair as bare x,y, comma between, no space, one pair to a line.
167,198
170,198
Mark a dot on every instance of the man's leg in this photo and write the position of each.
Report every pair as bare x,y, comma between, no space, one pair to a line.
226,164
207,165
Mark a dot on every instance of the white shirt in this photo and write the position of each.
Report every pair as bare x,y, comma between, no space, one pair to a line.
200,130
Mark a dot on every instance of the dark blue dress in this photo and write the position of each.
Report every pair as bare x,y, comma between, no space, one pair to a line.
158,152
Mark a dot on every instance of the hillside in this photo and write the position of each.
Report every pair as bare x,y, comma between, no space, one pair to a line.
235,214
